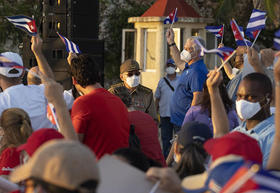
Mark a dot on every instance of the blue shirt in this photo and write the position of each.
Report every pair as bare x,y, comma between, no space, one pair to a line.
191,80
263,133
164,94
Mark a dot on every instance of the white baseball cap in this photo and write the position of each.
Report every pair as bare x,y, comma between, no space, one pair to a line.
12,71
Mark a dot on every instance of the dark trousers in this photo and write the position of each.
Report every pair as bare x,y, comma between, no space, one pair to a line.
167,129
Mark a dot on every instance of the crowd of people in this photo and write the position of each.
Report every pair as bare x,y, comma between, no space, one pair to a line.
209,131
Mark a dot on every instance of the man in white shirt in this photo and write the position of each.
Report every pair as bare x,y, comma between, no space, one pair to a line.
29,98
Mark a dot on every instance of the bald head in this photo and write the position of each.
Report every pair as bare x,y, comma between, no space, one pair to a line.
31,79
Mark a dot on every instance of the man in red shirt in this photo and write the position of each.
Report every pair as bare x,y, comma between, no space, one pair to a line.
99,117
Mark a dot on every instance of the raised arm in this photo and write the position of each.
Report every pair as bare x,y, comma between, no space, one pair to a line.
43,64
254,60
174,51
54,95
274,157
218,113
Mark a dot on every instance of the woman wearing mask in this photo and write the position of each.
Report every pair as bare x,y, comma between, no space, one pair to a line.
15,129
202,111
189,156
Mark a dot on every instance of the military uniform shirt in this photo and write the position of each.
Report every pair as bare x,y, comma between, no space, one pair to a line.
142,98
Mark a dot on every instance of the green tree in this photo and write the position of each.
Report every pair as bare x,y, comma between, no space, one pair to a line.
11,37
114,16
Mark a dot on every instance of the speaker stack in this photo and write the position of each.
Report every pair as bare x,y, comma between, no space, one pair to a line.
74,19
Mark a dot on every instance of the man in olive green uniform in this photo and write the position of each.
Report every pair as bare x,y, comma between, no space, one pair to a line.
142,97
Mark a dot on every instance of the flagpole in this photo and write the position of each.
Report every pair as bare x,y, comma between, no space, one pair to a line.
233,53
256,38
223,33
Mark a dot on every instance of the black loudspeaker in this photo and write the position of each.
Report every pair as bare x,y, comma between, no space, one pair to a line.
76,21
84,19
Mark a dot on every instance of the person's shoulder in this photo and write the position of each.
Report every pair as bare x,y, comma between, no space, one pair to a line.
116,87
144,89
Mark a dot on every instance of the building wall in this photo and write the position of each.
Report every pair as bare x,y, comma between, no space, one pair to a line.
157,46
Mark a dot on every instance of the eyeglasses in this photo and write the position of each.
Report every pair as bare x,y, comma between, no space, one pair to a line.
136,73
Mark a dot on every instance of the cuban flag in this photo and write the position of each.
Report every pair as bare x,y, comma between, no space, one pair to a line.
51,115
277,40
239,34
70,46
216,30
257,20
223,52
171,18
25,23
5,62
252,178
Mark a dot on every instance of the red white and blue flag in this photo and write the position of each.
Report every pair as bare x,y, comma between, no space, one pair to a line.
171,18
51,115
256,23
70,46
251,178
239,35
257,20
25,23
277,40
223,52
216,30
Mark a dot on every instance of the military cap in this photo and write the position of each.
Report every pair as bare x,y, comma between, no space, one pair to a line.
129,65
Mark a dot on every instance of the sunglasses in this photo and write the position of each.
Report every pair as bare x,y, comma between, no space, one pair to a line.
136,73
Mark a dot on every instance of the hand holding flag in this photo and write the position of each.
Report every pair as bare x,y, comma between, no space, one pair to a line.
70,46
25,23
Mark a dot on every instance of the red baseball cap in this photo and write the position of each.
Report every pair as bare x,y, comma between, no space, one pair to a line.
235,143
39,137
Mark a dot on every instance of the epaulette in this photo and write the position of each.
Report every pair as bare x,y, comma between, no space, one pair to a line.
145,89
116,88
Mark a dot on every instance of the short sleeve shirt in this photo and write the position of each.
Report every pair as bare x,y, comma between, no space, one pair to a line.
164,94
191,80
103,120
263,133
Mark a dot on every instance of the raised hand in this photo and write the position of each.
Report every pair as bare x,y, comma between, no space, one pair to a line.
36,44
213,81
170,36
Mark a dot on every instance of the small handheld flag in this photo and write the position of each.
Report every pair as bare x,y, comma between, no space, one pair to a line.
70,46
223,52
171,18
277,40
51,115
25,23
257,21
252,178
216,30
239,37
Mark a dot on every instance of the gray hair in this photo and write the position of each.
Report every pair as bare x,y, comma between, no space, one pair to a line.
200,39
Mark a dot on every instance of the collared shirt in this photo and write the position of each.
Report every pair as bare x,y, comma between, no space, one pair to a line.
191,80
142,98
164,94
263,133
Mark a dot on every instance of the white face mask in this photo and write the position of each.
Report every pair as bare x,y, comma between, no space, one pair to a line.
170,70
246,109
186,56
133,81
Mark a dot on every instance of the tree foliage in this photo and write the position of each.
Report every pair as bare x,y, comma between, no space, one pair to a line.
11,37
114,15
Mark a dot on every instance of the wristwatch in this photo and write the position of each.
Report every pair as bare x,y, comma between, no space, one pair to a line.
173,44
